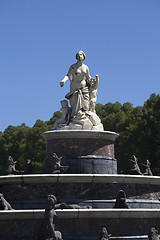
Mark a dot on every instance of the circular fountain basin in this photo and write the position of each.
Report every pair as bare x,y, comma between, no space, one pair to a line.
83,151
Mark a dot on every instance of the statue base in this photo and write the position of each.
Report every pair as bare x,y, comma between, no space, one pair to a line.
83,151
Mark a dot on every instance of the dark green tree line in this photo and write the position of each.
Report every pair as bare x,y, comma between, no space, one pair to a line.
138,128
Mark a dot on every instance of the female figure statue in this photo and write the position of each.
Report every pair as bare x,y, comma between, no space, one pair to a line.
79,86
82,97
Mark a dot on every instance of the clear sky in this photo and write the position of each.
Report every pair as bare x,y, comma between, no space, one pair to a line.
39,40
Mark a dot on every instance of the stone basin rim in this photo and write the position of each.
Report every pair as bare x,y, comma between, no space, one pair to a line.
79,178
55,134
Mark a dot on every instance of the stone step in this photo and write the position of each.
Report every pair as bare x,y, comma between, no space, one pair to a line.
144,237
83,213
79,222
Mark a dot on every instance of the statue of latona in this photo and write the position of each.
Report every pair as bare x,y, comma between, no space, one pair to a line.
82,97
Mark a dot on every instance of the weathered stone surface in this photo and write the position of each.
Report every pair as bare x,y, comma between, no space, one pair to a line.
85,123
80,147
84,228
83,151
79,192
94,119
90,164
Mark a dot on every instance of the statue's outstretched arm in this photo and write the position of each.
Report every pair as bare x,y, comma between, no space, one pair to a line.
66,77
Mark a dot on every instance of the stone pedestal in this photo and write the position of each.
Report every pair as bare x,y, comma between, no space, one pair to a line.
83,151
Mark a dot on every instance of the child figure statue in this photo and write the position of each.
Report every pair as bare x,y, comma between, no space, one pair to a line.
93,92
65,118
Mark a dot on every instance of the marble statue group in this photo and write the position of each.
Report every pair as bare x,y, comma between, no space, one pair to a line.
81,114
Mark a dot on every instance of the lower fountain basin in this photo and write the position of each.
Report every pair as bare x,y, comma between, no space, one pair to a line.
79,223
99,190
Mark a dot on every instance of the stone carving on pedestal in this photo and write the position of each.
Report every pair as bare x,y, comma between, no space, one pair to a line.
53,164
121,200
104,234
134,168
82,97
147,168
29,167
4,205
153,234
50,217
11,167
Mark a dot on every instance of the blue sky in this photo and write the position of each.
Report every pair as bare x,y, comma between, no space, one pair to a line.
39,40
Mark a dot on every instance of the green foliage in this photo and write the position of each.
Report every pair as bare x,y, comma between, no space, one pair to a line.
12,142
23,143
52,120
38,167
138,128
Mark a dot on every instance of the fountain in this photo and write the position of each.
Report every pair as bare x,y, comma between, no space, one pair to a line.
83,174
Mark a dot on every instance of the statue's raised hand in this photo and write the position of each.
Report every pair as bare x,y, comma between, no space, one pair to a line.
62,83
